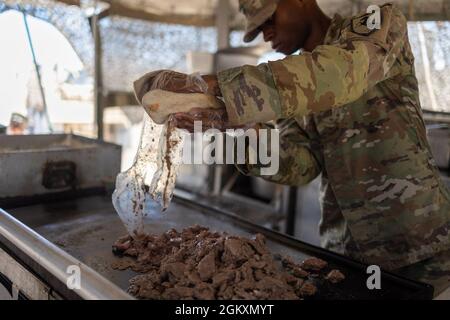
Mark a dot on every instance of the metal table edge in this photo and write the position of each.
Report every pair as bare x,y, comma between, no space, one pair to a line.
22,241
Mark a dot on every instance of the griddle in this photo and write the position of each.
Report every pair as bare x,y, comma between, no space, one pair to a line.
87,227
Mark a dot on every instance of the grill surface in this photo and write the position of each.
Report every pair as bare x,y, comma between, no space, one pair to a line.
87,227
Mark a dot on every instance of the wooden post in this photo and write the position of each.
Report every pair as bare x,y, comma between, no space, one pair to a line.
98,76
411,10
223,24
291,210
38,72
223,42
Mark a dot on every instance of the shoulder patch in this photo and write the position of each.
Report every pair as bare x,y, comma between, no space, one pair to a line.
359,25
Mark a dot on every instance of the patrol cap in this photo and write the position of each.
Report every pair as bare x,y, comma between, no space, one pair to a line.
256,13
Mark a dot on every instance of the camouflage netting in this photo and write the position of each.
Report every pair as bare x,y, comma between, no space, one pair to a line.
132,47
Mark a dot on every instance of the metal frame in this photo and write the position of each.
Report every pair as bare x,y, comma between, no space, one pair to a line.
98,76
21,283
38,72
124,11
50,263
409,8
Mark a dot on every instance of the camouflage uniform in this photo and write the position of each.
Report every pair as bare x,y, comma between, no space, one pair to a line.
350,110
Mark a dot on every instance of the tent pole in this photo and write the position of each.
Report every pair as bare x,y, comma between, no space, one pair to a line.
98,76
223,41
223,24
38,73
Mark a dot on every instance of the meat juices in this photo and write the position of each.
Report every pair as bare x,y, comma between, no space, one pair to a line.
199,264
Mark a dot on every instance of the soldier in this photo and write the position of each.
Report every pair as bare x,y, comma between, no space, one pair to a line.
349,109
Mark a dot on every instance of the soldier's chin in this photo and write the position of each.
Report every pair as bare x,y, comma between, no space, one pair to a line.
286,51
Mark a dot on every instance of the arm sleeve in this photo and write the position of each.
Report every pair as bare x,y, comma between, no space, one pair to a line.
329,77
298,158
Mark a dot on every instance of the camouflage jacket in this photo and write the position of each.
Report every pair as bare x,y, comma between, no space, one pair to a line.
350,110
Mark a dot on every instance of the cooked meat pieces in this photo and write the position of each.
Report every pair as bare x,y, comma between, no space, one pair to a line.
197,263
307,289
295,268
335,276
313,264
207,266
299,272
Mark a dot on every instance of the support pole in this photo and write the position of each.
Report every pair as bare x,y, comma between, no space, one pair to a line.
223,41
411,10
98,76
222,24
38,73
291,210
427,68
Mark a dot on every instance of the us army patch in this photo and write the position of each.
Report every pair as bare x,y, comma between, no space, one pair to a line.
360,25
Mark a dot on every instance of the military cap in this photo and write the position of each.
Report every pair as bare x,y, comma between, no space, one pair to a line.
256,13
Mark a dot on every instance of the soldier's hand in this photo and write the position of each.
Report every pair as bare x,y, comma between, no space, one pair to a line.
179,82
176,82
209,119
184,83
213,85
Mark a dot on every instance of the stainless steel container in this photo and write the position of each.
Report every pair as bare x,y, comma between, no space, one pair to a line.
39,164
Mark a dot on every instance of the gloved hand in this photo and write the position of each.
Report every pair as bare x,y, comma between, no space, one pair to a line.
170,81
210,119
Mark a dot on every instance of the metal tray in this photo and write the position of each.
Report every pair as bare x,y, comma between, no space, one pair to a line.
54,163
86,228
